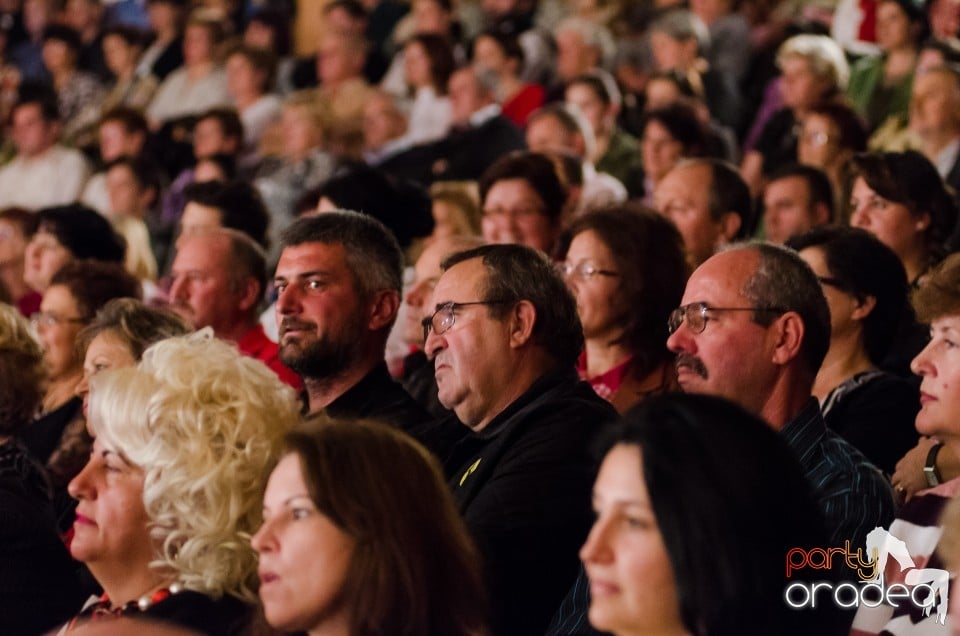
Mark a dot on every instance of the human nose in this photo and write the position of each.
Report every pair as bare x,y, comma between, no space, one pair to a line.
597,546
263,540
921,365
680,340
178,288
434,343
83,386
80,487
859,217
287,301
417,294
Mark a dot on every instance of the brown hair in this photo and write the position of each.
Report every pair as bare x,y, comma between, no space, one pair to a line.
137,325
939,294
414,571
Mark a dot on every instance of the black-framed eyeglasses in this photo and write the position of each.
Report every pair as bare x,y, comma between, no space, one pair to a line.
584,270
696,315
446,314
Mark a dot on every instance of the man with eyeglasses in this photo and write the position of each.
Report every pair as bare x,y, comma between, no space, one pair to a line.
753,327
338,283
504,335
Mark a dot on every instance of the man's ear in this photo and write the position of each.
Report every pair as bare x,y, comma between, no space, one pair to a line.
383,309
788,331
522,318
729,225
249,293
821,214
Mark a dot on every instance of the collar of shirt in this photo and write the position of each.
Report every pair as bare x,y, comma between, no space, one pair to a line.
484,115
947,157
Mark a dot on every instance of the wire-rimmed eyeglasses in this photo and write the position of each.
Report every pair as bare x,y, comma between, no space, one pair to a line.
696,315
446,314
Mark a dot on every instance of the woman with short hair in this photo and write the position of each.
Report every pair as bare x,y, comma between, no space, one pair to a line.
169,497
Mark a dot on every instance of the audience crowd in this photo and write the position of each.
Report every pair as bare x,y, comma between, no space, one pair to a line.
469,317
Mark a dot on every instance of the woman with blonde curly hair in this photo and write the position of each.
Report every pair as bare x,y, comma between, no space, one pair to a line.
169,497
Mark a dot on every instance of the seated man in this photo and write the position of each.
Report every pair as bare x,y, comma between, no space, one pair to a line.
43,173
505,336
338,284
754,328
796,200
219,278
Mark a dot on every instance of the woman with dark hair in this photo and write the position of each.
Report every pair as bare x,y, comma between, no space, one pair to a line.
393,554
880,84
697,504
64,234
617,152
16,227
627,269
501,54
38,582
900,198
428,62
523,201
250,80
866,289
669,134
829,136
75,89
57,437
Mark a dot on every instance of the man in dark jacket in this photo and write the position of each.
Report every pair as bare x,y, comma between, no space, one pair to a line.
504,336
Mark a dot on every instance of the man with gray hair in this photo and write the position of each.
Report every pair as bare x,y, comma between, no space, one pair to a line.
338,282
582,46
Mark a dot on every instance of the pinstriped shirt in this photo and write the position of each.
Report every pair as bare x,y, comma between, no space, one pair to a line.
852,493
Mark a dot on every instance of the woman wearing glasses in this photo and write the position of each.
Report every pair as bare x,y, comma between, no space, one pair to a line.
57,437
866,289
627,269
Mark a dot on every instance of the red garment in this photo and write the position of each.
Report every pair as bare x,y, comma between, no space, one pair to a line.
518,108
255,344
29,303
608,383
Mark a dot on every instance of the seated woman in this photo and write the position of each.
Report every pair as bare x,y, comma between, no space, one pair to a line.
627,269
169,495
813,70
16,227
523,201
428,62
829,136
75,89
119,334
501,54
200,84
918,522
394,554
57,437
38,582
900,198
669,134
65,234
692,479
866,289
250,73
880,85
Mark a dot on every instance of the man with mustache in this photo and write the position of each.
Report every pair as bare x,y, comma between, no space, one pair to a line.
338,282
753,327
503,332
219,277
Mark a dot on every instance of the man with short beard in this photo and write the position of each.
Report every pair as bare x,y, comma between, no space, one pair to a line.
339,281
